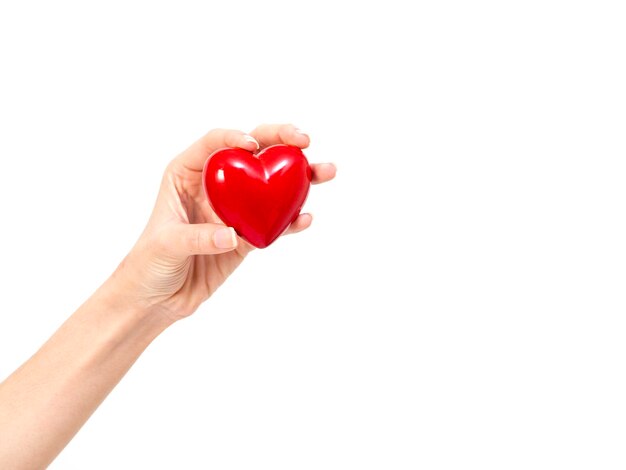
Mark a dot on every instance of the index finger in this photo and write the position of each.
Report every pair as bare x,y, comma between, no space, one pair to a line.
195,156
288,134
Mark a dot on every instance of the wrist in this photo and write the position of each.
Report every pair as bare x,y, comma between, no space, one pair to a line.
117,297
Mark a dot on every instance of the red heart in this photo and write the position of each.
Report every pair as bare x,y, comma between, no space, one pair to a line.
258,195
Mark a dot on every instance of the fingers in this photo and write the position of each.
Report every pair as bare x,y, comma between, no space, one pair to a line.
211,239
195,156
288,134
302,222
199,239
264,135
323,172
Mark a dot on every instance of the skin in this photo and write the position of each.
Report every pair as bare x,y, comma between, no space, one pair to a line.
180,259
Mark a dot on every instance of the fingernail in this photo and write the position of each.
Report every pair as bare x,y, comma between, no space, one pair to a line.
225,238
249,138
300,131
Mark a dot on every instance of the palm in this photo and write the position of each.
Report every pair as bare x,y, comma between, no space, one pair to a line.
203,273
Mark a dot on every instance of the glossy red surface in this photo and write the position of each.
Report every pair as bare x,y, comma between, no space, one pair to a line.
259,196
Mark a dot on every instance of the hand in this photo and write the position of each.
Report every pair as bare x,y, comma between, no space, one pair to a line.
181,257
185,253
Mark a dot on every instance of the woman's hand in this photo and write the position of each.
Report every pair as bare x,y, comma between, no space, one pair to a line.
182,256
185,253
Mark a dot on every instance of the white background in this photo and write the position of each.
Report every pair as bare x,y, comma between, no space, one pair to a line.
459,301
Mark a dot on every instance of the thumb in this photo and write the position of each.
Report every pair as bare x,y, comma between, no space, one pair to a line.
201,239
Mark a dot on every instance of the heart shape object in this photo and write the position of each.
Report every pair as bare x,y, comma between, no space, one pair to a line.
258,195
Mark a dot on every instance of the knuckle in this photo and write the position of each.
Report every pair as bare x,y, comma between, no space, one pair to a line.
232,137
216,131
260,128
201,241
285,130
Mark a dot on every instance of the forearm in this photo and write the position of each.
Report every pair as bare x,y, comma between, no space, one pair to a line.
46,401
